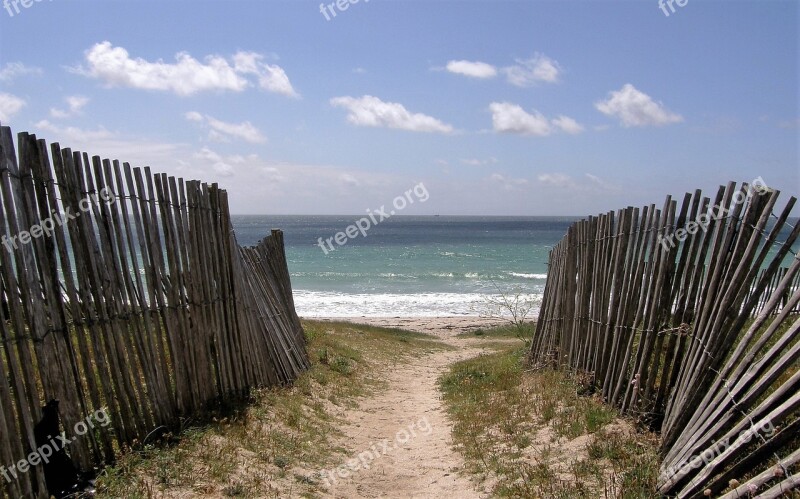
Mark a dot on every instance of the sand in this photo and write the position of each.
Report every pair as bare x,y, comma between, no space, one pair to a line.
403,434
442,327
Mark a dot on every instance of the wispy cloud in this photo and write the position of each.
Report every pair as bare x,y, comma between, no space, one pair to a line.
478,162
555,180
634,108
508,183
223,131
222,166
162,156
373,112
10,105
472,69
271,77
589,182
74,134
75,105
186,76
567,125
14,69
529,72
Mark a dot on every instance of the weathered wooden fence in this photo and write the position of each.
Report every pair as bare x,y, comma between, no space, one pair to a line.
682,335
139,300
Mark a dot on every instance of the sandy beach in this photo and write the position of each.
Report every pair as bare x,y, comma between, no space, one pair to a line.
442,327
425,467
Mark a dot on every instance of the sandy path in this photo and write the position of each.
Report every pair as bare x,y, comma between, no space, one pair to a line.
400,438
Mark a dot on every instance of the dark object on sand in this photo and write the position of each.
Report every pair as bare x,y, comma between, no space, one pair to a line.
63,479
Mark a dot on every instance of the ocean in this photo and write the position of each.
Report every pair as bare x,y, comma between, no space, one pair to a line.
411,266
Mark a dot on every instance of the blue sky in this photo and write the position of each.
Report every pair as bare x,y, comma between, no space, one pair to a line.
499,107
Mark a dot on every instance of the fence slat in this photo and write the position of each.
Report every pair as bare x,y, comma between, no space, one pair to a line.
143,305
687,319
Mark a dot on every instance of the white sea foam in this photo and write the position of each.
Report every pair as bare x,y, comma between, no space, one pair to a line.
529,276
331,304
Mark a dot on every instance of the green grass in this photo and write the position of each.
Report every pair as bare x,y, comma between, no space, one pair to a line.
277,443
522,332
536,437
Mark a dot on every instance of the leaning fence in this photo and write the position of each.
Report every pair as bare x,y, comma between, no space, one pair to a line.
126,290
686,318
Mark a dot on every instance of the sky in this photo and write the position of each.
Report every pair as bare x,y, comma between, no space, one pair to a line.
532,108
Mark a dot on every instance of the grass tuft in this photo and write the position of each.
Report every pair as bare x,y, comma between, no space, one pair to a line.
276,444
532,435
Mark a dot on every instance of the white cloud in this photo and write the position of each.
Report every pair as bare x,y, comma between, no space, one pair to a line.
635,108
371,111
590,183
567,124
194,116
261,186
163,157
207,155
245,131
509,184
478,162
555,180
528,72
222,166
13,69
270,76
222,131
475,69
275,80
9,106
223,169
75,105
187,76
74,133
511,118
348,179
600,183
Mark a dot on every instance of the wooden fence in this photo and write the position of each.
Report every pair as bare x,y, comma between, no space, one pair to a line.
698,339
139,300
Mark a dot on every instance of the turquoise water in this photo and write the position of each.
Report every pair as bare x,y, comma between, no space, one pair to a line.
415,266
410,266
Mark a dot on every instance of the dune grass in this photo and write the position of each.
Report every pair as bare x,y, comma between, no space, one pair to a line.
276,444
531,435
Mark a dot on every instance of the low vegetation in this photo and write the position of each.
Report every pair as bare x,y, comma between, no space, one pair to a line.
526,434
531,435
277,442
